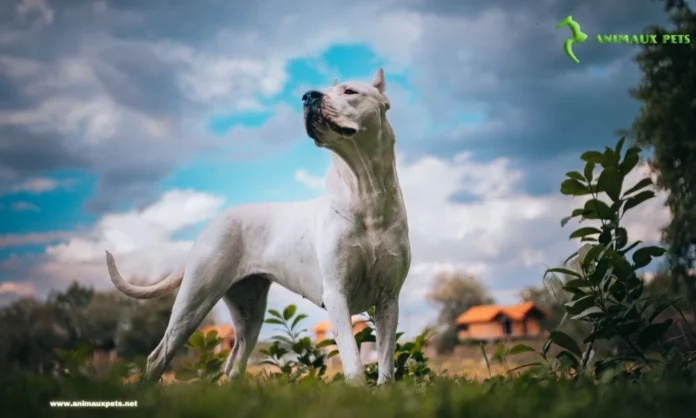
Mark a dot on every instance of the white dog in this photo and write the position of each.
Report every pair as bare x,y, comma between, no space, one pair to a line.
345,251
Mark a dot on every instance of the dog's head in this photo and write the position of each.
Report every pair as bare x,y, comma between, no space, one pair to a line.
345,111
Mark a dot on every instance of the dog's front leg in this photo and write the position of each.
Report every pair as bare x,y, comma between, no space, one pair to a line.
386,322
337,306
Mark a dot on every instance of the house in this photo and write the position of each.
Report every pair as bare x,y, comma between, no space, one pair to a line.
226,332
322,331
494,322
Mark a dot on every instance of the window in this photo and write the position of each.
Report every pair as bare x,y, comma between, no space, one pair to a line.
507,325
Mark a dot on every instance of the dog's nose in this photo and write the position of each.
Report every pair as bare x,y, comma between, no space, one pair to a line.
311,97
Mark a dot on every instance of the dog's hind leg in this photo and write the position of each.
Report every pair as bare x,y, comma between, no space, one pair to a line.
204,283
246,301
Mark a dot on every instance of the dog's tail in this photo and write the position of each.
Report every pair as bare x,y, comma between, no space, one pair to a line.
161,288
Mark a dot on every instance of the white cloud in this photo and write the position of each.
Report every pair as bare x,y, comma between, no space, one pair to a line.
22,206
23,289
33,238
38,185
142,241
308,180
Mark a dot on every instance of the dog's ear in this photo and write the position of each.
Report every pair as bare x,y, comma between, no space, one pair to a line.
378,82
335,83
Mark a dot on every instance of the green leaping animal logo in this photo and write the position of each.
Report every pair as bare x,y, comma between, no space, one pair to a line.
578,36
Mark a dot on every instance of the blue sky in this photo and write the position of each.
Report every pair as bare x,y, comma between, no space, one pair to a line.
123,129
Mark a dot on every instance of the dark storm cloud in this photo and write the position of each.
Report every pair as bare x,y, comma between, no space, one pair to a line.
509,61
87,60
26,153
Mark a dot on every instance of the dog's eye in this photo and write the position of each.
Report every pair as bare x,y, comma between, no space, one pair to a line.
350,91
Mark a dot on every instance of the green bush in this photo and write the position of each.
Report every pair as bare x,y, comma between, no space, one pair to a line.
607,292
309,360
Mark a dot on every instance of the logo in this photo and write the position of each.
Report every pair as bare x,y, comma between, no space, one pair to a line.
577,36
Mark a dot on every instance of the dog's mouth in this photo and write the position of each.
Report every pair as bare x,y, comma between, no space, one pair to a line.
317,122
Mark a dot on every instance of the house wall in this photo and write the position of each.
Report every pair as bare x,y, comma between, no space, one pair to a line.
494,330
482,331
533,326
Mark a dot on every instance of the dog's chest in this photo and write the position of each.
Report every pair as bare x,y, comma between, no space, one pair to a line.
384,252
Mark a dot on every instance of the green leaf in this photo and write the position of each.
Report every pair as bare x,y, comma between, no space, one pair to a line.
566,360
519,348
618,290
572,187
640,185
621,237
289,311
275,313
570,257
565,220
593,310
643,256
576,283
630,160
297,320
579,305
575,176
274,321
326,343
197,340
630,247
592,156
524,366
564,340
212,339
609,158
597,209
562,271
636,200
583,232
610,181
592,255
619,145
589,170
653,333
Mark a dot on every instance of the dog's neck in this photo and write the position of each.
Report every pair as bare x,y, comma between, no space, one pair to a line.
362,181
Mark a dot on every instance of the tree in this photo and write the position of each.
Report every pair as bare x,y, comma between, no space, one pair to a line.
454,293
143,326
667,124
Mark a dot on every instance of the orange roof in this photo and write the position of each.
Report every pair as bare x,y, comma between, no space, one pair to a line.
223,331
486,313
325,325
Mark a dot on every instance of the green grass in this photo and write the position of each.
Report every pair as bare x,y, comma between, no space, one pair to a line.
29,396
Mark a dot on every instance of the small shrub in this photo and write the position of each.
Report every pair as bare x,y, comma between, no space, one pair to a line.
309,360
206,364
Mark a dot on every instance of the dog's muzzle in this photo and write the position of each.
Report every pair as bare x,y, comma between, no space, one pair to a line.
318,117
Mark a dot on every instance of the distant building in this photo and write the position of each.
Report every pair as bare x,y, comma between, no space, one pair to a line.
493,322
226,332
322,331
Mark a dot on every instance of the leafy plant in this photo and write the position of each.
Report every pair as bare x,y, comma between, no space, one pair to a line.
76,362
410,362
309,360
206,364
606,290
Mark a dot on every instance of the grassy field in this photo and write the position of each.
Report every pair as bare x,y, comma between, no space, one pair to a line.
30,397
